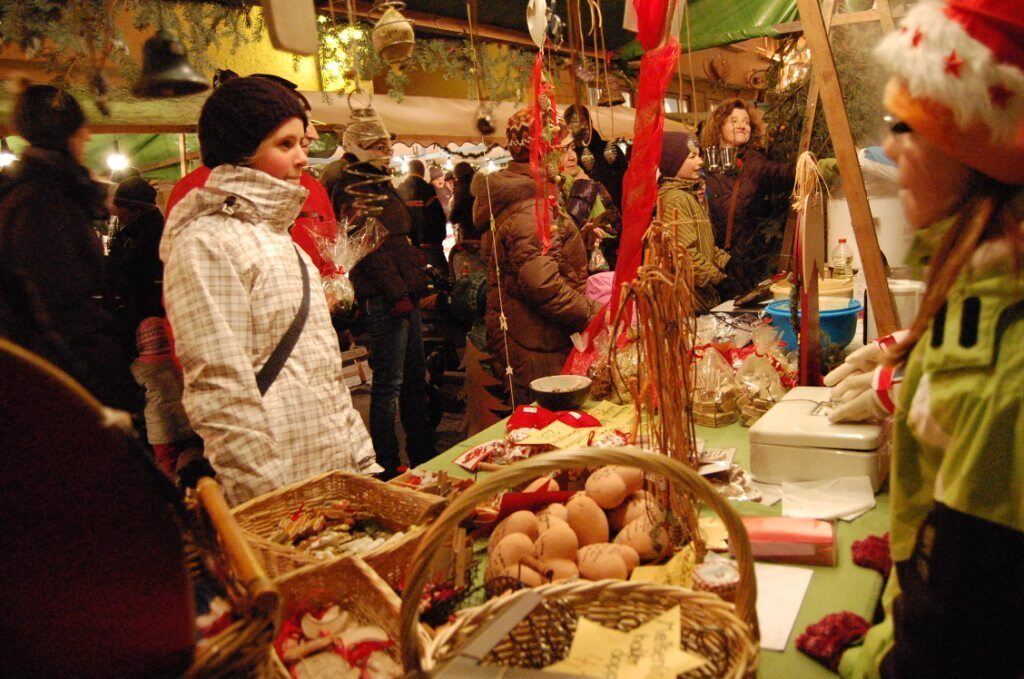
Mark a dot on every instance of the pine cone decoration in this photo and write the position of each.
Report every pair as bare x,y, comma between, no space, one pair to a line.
544,103
587,159
552,171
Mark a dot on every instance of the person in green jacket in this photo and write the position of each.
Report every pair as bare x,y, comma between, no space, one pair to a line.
681,207
955,382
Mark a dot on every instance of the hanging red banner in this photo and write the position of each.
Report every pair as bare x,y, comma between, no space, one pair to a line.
540,148
640,184
651,16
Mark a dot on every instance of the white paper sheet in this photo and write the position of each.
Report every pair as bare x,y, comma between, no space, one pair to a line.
846,497
780,593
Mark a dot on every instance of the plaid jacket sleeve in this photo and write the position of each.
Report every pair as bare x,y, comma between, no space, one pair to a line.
208,307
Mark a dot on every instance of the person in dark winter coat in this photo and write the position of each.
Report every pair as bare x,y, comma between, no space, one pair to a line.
465,256
442,183
429,224
593,151
462,204
389,283
741,202
590,205
134,268
542,293
52,288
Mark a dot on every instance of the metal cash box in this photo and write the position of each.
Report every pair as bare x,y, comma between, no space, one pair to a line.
794,441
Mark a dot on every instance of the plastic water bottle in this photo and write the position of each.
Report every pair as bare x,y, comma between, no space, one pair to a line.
842,260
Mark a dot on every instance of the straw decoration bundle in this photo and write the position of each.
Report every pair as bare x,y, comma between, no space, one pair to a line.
658,306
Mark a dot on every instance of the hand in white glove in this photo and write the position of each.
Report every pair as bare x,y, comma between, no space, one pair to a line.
864,360
866,396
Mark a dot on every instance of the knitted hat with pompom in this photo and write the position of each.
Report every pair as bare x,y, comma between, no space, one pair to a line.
958,80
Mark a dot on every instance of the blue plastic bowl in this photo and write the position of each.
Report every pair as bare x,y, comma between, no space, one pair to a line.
838,325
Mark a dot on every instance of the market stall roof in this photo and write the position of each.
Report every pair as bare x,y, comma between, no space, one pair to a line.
434,119
415,119
712,22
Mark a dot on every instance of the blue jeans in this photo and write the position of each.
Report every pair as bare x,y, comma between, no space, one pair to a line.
399,381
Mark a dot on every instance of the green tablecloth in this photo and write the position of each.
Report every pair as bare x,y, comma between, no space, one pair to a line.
845,587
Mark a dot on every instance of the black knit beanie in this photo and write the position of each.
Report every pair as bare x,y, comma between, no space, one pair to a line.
675,148
239,115
47,117
136,193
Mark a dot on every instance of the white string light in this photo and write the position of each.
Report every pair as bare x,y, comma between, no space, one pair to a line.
6,157
117,161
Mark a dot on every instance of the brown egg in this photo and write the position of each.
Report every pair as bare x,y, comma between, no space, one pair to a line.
636,505
587,519
523,521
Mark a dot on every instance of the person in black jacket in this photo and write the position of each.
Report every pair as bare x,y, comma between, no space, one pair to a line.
429,224
134,268
587,138
388,283
52,289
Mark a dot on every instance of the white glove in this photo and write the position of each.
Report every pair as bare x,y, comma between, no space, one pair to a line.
867,396
865,359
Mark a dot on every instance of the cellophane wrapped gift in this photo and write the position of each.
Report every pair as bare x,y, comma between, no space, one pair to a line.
347,249
714,402
760,377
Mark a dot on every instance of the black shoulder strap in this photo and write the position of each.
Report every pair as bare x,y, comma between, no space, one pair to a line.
270,370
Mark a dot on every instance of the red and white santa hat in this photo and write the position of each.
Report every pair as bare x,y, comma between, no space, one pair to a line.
958,79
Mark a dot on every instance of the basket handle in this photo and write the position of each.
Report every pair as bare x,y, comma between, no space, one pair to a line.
672,470
261,590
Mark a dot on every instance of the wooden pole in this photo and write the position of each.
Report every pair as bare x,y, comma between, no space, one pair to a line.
182,154
824,71
785,258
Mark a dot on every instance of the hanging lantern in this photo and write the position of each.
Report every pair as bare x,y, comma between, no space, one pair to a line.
393,36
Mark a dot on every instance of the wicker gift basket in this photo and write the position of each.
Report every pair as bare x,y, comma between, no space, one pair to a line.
725,634
394,507
350,584
243,648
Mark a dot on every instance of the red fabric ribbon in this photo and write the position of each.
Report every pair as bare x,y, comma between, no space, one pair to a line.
540,148
650,21
640,185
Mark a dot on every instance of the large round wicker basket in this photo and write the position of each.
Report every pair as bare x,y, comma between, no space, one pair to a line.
723,633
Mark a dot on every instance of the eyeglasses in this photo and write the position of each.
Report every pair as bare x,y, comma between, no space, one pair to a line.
897,126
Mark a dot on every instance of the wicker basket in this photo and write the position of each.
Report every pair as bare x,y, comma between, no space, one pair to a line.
394,507
351,584
244,648
723,633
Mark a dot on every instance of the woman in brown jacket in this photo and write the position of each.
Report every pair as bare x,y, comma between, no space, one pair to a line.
542,293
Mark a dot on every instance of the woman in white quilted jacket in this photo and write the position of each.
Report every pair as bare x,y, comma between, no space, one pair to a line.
263,373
